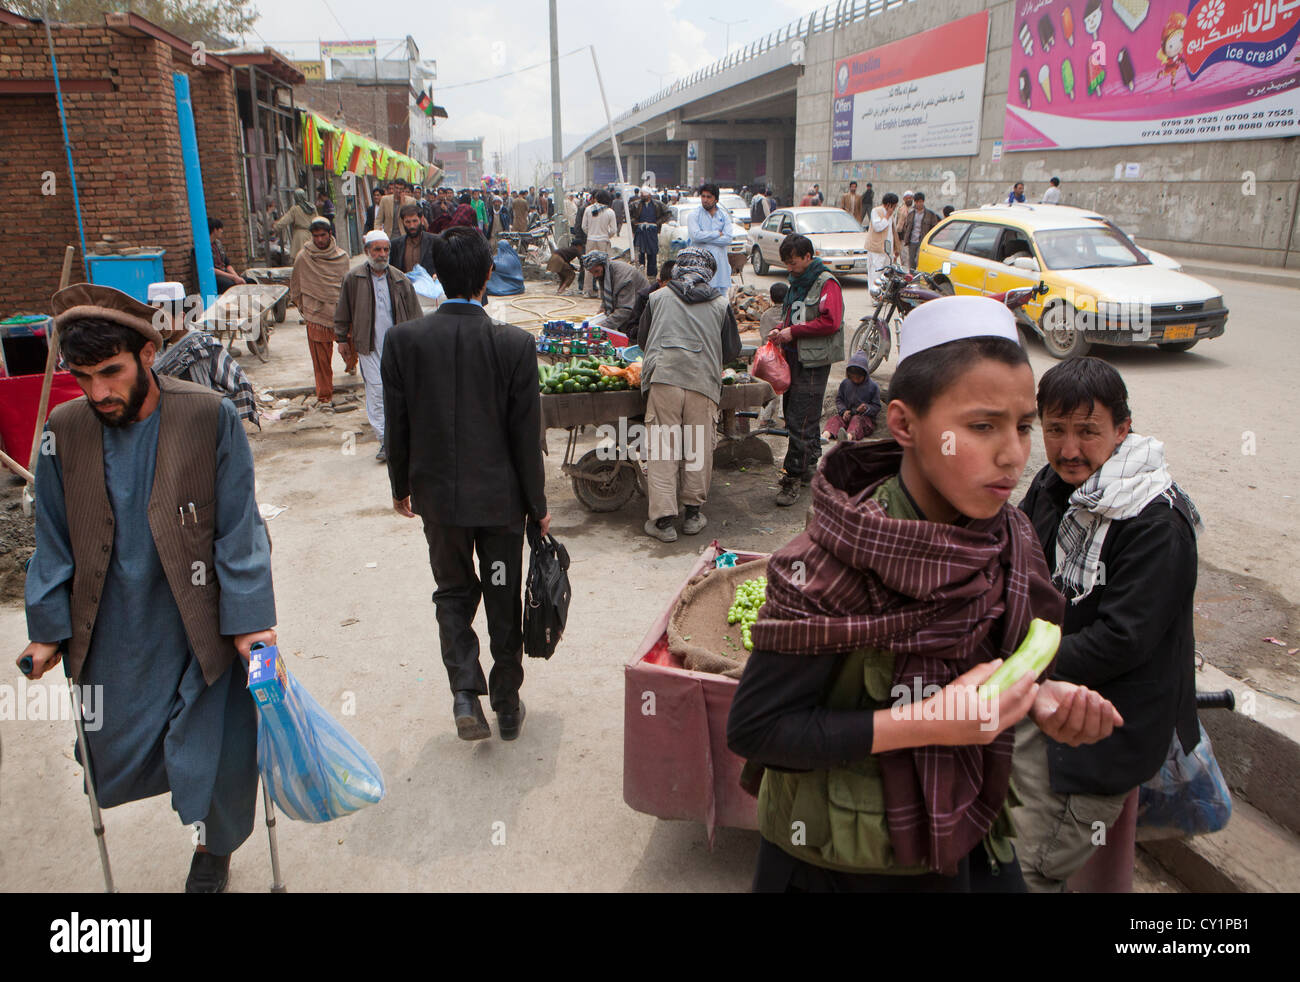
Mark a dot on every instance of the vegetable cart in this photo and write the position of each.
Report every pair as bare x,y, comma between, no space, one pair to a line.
245,312
606,478
676,763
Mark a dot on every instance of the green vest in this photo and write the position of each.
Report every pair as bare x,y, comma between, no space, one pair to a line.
825,350
835,818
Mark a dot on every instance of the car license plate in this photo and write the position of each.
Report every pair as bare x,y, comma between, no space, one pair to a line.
843,265
1180,332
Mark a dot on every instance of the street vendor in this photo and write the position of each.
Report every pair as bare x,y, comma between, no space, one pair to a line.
196,356
561,264
883,769
618,284
152,576
688,332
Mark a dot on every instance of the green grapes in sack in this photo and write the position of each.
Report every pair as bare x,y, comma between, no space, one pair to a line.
750,597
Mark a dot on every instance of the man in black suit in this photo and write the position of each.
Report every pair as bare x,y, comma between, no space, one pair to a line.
1120,540
376,196
415,248
464,421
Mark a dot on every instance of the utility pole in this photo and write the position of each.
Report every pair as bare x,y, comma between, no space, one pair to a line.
613,142
557,139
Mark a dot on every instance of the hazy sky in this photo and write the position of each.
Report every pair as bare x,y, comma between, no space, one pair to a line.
640,45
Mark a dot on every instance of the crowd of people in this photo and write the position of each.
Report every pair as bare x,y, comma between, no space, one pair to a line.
915,569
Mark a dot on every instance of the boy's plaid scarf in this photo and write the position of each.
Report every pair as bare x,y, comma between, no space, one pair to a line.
942,598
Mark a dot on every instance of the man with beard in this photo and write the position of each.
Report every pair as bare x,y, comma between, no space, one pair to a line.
374,297
648,216
314,289
617,284
152,575
415,247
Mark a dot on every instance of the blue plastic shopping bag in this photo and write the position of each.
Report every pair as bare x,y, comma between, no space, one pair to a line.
1188,796
313,769
425,285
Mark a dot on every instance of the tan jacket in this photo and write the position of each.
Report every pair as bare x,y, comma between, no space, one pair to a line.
852,203
354,317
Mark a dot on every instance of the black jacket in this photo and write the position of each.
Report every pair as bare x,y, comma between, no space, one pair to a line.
397,252
1130,639
463,418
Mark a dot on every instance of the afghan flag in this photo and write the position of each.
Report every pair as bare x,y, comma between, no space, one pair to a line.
423,101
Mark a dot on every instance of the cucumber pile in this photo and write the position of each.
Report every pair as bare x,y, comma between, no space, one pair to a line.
579,375
750,596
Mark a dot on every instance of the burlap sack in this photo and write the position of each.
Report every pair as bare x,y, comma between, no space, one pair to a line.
698,631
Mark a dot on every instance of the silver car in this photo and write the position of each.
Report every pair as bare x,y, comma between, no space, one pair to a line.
837,238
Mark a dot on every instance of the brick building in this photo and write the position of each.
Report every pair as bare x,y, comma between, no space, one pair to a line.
116,79
462,160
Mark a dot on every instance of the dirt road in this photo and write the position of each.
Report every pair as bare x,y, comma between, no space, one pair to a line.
546,812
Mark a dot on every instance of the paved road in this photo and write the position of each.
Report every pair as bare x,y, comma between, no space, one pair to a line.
557,791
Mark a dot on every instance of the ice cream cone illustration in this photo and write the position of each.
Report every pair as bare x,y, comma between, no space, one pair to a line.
1045,81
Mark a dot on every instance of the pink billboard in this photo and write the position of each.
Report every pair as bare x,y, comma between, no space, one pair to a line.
1097,73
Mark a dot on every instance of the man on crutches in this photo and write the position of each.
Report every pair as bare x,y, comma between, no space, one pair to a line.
151,578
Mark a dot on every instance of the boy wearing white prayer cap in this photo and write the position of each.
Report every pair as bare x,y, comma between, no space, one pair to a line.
915,575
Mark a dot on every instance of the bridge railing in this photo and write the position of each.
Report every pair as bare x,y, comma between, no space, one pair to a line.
830,18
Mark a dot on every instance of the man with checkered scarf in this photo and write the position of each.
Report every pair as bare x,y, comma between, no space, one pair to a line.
1120,540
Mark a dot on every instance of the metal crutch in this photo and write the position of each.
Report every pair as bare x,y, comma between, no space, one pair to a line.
277,884
25,666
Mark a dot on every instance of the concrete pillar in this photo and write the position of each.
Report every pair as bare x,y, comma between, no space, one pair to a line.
780,176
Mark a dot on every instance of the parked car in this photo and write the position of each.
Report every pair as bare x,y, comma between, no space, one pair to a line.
1101,287
837,238
735,204
674,236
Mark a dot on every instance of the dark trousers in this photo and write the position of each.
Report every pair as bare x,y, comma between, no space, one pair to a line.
779,872
802,408
650,260
224,281
499,581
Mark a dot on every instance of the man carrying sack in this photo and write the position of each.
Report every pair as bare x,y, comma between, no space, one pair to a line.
152,573
314,289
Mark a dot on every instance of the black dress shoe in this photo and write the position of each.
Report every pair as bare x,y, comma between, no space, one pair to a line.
471,724
208,873
509,724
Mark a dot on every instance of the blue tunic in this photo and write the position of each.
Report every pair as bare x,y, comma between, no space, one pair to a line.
713,233
162,728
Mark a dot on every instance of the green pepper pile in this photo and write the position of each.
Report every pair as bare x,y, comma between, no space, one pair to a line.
750,596
579,375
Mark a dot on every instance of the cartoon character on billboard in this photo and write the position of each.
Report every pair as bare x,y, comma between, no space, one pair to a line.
1092,17
1171,49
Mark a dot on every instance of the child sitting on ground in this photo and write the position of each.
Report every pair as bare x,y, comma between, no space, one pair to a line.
857,403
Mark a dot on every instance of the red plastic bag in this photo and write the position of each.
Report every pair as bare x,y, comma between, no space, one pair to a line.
770,365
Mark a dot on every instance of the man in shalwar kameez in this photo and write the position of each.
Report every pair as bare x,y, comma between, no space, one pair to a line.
152,572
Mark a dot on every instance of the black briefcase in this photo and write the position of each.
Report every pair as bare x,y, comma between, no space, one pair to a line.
546,594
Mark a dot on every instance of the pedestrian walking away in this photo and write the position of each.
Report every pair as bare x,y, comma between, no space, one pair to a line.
374,297
318,273
152,480
465,421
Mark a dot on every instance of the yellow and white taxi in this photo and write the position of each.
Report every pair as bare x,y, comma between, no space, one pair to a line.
1100,286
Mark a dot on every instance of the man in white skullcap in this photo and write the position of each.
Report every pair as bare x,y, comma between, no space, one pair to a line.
374,297
914,574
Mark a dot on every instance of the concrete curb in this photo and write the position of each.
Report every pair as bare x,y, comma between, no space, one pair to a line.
1236,271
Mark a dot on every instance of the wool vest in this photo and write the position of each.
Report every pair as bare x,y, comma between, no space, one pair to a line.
184,474
829,348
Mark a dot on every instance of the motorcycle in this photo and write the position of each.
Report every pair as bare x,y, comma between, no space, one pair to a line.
898,293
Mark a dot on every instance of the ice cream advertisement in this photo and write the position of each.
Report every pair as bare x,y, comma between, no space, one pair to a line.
1096,73
918,97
